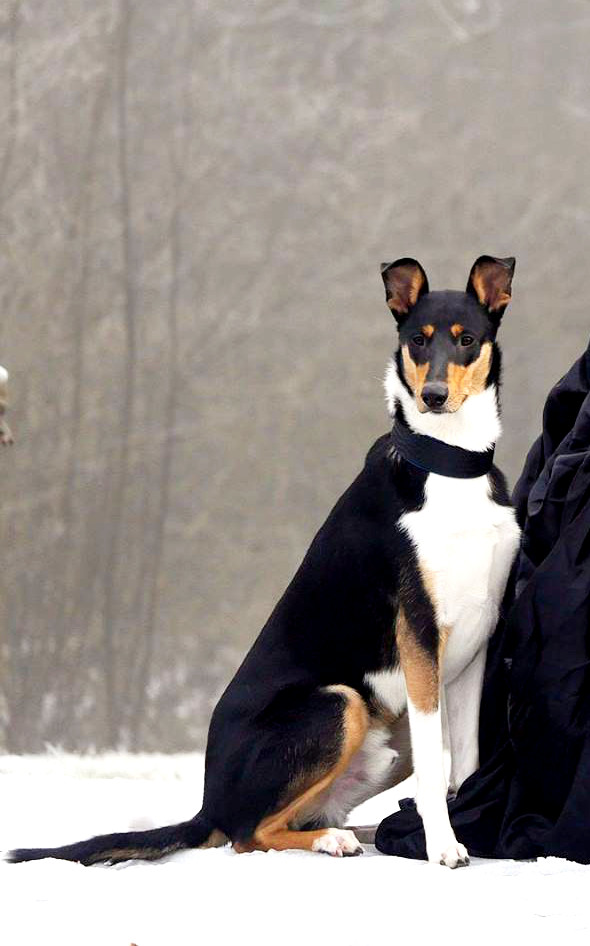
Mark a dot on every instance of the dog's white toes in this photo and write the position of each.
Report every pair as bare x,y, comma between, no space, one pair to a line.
454,855
338,843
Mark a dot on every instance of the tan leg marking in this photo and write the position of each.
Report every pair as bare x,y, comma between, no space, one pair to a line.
430,589
420,669
273,833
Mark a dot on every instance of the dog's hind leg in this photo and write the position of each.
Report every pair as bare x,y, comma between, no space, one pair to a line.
276,831
382,776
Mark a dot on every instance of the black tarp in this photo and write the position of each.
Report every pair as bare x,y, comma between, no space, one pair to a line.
531,795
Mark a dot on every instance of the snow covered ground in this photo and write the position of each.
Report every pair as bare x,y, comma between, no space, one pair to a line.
218,897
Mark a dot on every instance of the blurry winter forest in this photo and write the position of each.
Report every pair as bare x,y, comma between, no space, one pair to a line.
194,201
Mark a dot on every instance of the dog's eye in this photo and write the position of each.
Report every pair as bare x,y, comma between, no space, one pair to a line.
418,339
467,340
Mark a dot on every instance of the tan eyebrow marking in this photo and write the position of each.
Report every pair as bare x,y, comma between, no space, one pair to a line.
456,329
428,330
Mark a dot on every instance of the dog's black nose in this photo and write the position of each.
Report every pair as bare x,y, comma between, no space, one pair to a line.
435,395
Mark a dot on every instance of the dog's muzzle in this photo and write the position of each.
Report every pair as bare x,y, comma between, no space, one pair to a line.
435,395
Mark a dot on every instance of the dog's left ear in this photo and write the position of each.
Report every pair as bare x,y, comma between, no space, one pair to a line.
490,281
405,281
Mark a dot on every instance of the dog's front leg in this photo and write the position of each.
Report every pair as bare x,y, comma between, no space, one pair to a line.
463,697
446,737
442,846
422,675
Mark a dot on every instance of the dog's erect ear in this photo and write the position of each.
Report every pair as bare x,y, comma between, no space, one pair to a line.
490,281
405,281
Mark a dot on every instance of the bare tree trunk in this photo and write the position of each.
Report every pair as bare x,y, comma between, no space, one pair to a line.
11,129
6,653
167,454
68,550
120,473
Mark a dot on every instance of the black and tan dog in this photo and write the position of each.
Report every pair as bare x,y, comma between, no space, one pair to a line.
382,633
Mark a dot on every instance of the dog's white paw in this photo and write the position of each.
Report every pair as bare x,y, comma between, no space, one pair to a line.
338,843
451,855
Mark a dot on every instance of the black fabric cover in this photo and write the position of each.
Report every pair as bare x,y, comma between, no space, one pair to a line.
531,796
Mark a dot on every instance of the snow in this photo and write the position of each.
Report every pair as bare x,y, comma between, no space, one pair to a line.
218,897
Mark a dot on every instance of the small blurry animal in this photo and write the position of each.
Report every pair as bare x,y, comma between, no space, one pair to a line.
5,431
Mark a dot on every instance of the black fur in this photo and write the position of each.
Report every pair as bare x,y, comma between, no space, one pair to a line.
335,623
445,309
499,487
144,845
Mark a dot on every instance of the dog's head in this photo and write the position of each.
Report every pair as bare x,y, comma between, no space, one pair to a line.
447,349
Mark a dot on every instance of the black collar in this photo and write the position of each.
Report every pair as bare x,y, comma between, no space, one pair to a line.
435,456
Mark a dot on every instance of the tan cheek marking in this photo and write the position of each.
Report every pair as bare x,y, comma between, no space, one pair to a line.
463,381
481,369
415,375
456,329
428,330
457,381
420,670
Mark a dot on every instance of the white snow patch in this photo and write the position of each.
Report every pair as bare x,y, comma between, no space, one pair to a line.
218,897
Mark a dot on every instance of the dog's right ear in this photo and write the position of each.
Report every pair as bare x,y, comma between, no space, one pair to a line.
405,281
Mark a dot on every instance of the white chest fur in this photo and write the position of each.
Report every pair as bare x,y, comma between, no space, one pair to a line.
465,544
464,541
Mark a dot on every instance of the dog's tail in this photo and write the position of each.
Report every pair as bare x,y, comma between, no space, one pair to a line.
132,845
